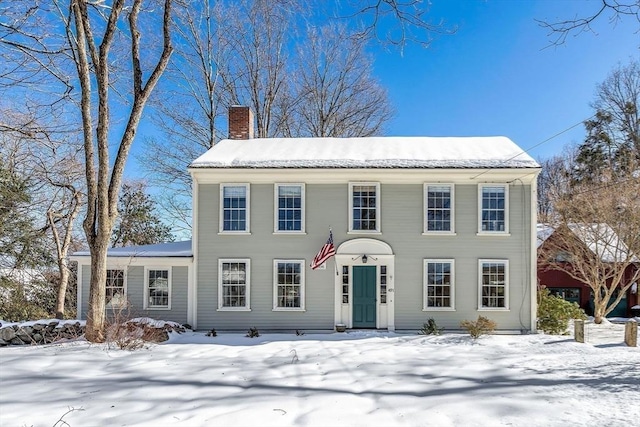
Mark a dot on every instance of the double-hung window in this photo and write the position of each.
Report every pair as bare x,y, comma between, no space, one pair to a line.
364,207
439,284
494,284
233,284
494,208
438,208
289,214
288,282
234,208
115,288
158,289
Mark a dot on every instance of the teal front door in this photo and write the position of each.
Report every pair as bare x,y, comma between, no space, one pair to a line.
364,296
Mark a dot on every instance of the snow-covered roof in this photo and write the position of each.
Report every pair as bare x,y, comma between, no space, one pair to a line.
171,249
372,152
601,239
544,231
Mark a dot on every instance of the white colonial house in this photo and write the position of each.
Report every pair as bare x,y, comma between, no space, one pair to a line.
441,228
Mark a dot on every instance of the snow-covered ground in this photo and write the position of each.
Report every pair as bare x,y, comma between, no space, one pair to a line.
341,379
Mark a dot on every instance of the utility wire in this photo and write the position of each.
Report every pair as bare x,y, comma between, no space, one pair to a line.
539,143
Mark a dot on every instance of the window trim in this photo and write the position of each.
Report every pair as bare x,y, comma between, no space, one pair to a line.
425,199
276,208
124,302
505,232
302,285
378,199
247,261
221,229
147,269
452,285
506,284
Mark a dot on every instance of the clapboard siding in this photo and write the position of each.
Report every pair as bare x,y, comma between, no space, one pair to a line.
134,283
262,247
402,228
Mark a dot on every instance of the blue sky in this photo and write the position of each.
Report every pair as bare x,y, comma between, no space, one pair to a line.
495,77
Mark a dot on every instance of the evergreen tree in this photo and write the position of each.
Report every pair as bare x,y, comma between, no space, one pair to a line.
137,223
613,133
21,243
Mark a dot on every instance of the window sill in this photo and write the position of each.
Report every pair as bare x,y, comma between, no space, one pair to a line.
293,310
369,232
289,233
439,309
157,308
439,233
233,309
493,234
493,309
234,233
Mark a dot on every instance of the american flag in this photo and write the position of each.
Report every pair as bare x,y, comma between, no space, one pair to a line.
326,252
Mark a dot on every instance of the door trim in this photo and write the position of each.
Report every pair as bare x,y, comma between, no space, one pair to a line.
349,254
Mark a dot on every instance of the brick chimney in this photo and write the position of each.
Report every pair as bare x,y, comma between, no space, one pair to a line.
240,122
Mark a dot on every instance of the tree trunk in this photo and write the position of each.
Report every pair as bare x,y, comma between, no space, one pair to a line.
95,329
599,311
62,287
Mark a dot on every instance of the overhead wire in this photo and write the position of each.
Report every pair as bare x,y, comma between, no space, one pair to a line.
539,143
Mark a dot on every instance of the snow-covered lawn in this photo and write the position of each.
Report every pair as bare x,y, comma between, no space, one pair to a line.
341,379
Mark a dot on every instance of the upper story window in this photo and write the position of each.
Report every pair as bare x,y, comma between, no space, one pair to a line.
438,208
438,284
494,284
364,207
115,290
494,208
289,202
288,284
158,289
233,284
234,206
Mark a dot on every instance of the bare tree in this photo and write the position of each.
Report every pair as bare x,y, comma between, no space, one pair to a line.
82,48
93,63
553,183
619,96
63,177
598,230
47,161
612,142
256,75
614,10
403,21
337,96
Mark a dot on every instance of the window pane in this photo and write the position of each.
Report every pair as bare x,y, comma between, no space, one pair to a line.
234,208
364,200
289,285
493,208
438,209
439,283
494,285
289,208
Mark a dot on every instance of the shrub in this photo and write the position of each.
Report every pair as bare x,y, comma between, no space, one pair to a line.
20,302
126,332
253,332
479,327
430,328
554,313
212,333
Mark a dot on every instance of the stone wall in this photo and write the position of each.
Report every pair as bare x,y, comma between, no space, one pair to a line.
49,331
39,332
